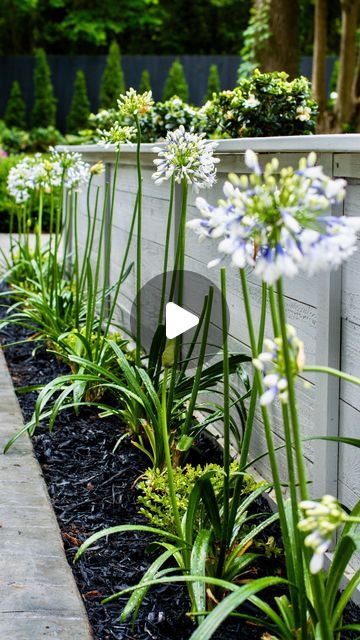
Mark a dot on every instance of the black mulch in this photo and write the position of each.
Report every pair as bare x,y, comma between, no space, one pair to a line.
91,488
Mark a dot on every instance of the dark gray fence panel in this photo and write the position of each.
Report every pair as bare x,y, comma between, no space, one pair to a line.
63,69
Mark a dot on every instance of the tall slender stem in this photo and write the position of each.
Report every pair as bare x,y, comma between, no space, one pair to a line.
268,432
298,596
226,421
317,581
292,396
166,443
166,252
245,444
138,245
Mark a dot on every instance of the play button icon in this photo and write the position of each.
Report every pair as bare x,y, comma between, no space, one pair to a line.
166,315
178,320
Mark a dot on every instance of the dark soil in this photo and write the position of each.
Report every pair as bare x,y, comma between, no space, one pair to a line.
91,488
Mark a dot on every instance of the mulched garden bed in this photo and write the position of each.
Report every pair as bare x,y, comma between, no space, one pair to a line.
91,488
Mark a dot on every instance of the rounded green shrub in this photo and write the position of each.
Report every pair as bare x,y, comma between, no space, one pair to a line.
80,105
112,81
175,83
266,104
15,112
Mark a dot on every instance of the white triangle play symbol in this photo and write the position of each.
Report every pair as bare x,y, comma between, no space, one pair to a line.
178,320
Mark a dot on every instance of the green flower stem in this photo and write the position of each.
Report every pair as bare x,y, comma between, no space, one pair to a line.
292,395
179,262
166,253
245,445
299,594
89,229
178,278
11,230
317,581
226,535
166,444
333,372
104,295
98,260
38,241
122,270
200,364
138,245
268,432
76,264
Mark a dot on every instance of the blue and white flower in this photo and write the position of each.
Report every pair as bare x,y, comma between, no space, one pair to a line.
322,519
186,156
271,363
279,224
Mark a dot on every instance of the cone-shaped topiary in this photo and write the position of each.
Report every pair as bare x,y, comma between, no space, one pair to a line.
44,109
144,84
112,81
80,105
213,85
175,83
15,112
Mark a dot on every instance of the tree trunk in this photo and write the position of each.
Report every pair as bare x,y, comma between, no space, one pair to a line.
281,51
344,108
319,61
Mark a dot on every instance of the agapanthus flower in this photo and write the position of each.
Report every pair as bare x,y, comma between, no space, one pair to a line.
116,135
133,103
272,364
33,173
75,173
186,156
98,168
322,519
280,224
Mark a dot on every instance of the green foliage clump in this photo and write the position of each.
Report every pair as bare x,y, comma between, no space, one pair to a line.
15,112
213,85
80,105
17,141
44,109
169,115
144,84
266,104
175,83
155,497
112,81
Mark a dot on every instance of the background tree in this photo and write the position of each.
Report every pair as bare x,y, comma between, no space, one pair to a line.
175,83
15,112
112,81
80,105
271,40
319,62
213,84
144,84
349,68
44,109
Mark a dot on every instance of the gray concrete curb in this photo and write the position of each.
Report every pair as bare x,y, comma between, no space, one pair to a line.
39,599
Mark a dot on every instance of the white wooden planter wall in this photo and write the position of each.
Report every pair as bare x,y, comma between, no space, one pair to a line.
325,310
